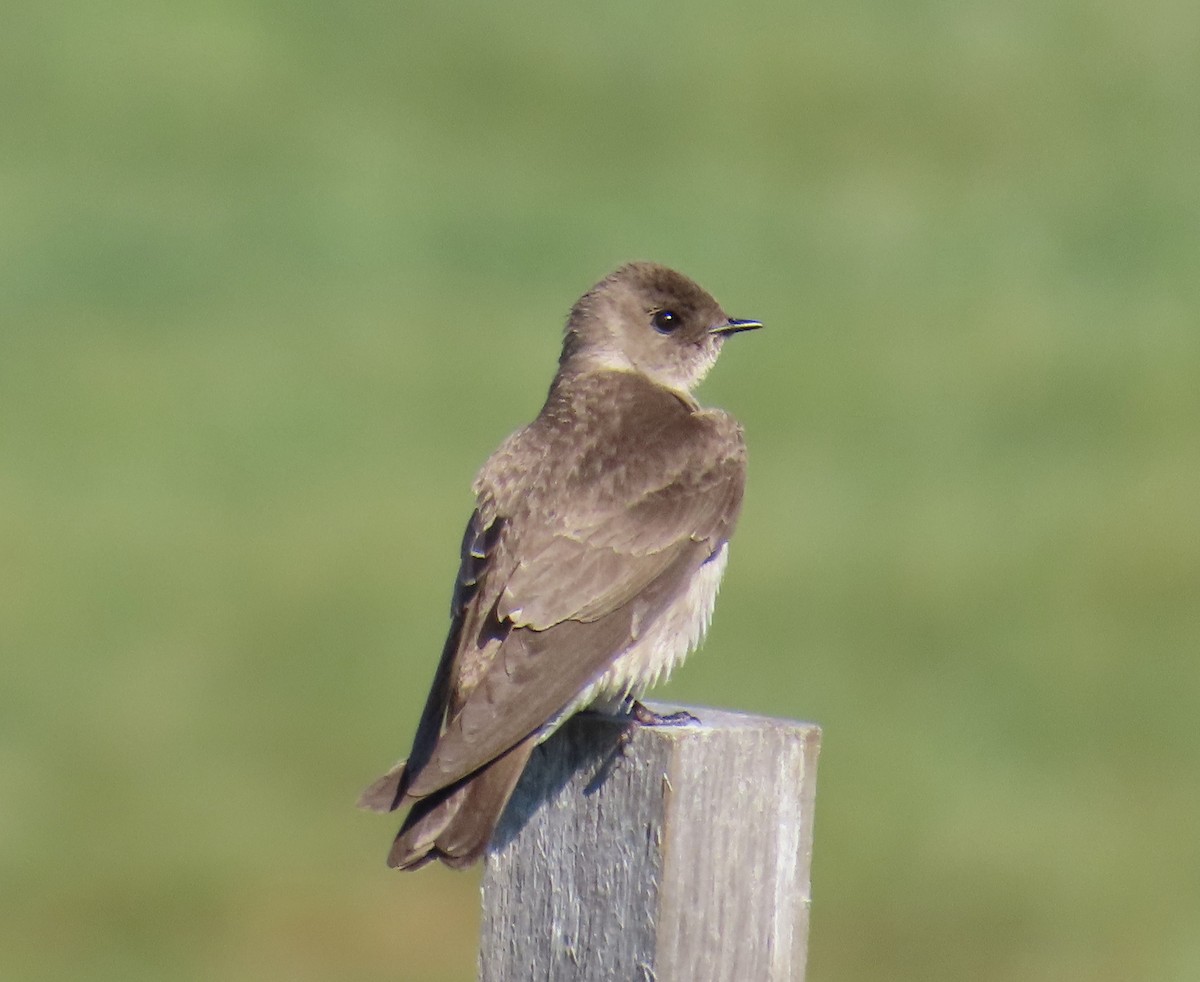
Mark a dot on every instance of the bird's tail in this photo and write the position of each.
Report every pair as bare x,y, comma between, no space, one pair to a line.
456,823
386,794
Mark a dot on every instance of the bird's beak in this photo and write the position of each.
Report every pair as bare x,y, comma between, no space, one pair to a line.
734,326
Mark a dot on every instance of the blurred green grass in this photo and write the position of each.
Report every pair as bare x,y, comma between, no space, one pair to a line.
258,260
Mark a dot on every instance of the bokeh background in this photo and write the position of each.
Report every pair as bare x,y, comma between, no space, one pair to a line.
275,278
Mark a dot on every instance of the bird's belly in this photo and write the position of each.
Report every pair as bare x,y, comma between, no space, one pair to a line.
664,644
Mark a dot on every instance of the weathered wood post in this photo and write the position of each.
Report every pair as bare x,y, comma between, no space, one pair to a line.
682,856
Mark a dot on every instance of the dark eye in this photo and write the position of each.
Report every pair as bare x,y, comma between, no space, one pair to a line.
665,321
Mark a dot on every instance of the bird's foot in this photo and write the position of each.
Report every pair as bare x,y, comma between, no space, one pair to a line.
645,716
632,715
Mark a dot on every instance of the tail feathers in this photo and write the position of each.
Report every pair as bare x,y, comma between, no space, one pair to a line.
416,842
385,794
454,825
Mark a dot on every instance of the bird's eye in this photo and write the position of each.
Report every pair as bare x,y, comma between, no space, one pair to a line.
665,321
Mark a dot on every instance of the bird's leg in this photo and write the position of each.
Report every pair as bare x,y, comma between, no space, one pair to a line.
631,713
645,716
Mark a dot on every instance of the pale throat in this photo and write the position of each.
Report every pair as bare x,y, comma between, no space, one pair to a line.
610,358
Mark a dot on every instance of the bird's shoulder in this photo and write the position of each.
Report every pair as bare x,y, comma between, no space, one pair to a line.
606,439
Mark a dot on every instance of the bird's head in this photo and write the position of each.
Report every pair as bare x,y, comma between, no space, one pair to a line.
649,319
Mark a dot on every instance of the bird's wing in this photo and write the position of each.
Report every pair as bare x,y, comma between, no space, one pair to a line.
478,544
559,594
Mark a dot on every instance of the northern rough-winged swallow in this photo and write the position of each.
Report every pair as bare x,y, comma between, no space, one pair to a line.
591,563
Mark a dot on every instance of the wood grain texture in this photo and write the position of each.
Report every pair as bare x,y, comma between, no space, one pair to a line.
683,855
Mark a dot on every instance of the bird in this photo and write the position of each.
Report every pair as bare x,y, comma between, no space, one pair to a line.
590,565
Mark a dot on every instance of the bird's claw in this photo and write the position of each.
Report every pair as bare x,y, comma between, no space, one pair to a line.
645,716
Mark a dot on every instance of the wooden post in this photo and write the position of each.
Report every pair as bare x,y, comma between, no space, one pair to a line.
682,856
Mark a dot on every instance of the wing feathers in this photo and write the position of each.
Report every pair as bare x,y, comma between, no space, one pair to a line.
536,675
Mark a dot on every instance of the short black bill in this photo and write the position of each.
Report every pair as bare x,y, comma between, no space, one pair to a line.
734,326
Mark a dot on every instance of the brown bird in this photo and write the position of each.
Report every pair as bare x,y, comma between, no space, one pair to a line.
590,566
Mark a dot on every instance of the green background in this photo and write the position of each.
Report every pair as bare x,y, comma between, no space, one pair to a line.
275,278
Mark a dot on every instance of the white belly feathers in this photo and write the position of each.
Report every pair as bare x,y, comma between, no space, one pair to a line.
658,650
